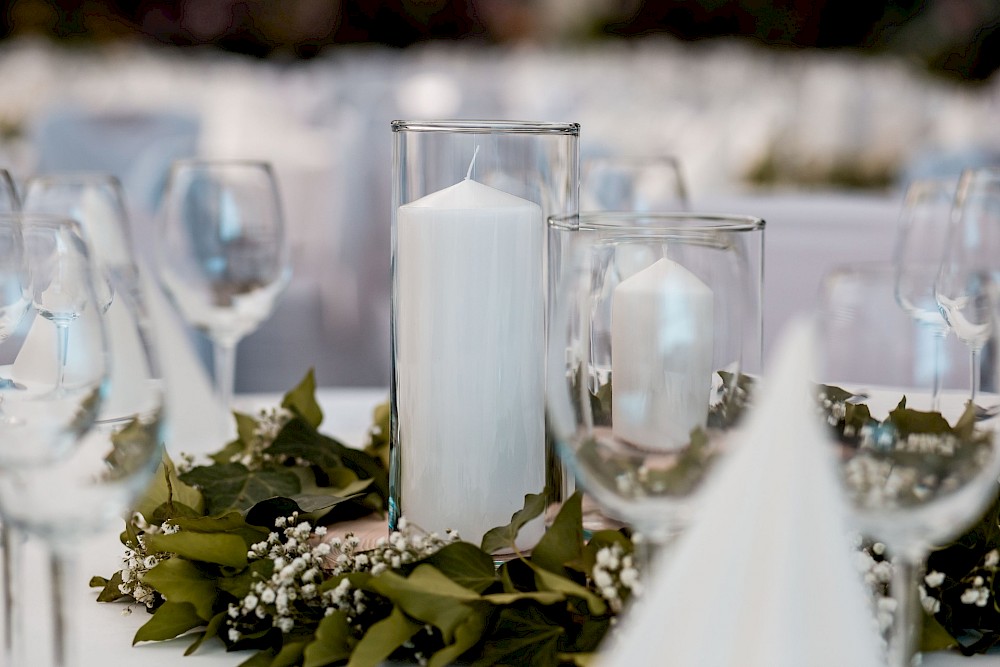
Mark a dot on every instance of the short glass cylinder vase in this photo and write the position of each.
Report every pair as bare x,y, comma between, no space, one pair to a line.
649,321
469,293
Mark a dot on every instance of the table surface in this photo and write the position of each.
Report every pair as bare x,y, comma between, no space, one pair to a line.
104,635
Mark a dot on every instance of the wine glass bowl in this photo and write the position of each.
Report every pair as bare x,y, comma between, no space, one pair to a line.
633,183
222,253
644,358
970,266
915,474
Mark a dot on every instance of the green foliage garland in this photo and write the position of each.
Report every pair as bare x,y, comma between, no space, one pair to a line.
197,550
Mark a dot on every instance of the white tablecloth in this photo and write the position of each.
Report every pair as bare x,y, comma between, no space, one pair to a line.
104,636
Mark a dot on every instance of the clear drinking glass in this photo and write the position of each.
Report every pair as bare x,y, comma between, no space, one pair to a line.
9,203
222,253
644,358
469,288
55,394
633,183
909,491
971,265
921,237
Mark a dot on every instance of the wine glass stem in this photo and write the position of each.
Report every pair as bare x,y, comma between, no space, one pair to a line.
62,340
974,369
59,571
224,355
902,641
938,361
10,543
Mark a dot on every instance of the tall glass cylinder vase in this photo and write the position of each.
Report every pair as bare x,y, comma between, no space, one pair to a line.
469,284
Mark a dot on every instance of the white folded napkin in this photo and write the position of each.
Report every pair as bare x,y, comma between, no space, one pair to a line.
765,576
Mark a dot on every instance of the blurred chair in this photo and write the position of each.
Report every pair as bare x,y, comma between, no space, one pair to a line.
136,146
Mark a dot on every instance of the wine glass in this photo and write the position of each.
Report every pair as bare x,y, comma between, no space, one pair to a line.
53,398
911,480
14,304
970,266
920,237
633,183
644,356
222,252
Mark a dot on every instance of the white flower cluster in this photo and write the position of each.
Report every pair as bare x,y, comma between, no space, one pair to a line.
978,584
270,421
293,588
835,410
877,573
138,561
405,545
615,576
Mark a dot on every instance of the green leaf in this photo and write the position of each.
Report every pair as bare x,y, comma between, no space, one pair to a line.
503,537
289,655
167,487
549,581
218,548
110,591
260,659
934,637
383,638
524,636
467,634
429,596
541,597
179,580
232,486
211,630
300,440
171,619
464,564
563,542
909,421
238,585
331,643
302,400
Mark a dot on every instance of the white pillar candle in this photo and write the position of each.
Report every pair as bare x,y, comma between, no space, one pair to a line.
470,359
661,355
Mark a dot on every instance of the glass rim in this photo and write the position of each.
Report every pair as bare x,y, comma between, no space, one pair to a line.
206,162
87,176
653,221
486,127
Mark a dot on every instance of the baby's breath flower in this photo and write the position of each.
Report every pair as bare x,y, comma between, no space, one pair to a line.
137,561
615,576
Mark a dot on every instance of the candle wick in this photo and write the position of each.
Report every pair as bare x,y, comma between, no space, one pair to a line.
468,174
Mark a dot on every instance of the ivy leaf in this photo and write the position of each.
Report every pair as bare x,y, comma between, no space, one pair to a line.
219,548
246,426
289,655
240,584
429,596
211,630
503,537
378,436
467,634
167,488
302,400
178,580
933,636
233,486
171,619
524,636
383,638
909,421
300,440
110,591
332,641
464,564
550,581
563,542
